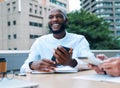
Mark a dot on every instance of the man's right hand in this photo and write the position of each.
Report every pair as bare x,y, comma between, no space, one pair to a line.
43,65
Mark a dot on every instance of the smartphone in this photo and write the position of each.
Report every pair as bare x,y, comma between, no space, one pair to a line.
54,59
66,48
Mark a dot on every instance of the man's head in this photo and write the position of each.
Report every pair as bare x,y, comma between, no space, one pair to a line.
57,20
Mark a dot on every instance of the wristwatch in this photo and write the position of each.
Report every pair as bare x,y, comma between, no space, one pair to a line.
30,63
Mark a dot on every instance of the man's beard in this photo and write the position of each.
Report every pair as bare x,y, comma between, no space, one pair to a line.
62,28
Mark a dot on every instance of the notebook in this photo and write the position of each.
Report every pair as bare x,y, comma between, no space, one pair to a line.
17,83
60,69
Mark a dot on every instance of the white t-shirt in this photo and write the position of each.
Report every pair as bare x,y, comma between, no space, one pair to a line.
44,46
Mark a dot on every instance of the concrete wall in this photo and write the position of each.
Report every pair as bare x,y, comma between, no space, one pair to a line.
15,59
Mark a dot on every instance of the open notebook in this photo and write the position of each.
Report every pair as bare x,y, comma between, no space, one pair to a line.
16,83
60,69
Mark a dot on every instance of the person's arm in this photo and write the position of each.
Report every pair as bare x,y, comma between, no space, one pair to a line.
83,50
33,56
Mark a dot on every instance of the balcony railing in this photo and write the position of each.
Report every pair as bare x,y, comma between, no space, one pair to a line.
15,59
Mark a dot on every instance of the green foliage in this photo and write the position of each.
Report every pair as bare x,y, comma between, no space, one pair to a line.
95,29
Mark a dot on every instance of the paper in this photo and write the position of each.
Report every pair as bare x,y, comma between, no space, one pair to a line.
66,69
97,77
59,69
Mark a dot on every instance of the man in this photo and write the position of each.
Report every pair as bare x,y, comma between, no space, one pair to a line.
110,66
50,45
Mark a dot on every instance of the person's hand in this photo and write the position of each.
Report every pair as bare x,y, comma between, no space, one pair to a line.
44,65
63,56
101,56
98,69
112,66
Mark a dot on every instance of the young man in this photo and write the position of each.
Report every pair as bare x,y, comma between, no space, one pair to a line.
50,45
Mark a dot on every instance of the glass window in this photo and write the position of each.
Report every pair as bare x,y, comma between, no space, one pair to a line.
15,48
9,49
9,23
13,2
40,25
35,11
118,32
33,36
14,36
14,22
9,37
14,8
30,10
8,4
35,24
8,10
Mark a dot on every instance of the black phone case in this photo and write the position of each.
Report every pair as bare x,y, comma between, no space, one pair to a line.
53,58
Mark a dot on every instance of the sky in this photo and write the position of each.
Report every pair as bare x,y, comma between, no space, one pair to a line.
74,5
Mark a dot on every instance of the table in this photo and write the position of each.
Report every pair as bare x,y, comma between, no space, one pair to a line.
66,80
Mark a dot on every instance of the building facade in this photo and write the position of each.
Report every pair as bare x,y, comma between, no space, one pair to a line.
107,9
22,21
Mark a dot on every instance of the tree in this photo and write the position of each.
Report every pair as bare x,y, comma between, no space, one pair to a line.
95,29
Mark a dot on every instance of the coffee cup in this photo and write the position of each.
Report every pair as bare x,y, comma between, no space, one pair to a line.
3,65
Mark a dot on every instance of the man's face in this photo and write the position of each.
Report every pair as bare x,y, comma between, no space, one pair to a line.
57,22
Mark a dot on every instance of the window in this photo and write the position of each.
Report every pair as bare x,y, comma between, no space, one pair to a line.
31,6
9,37
118,32
8,10
14,8
40,25
8,4
117,9
117,15
40,11
58,3
9,23
117,3
35,11
9,49
14,36
15,48
30,10
33,36
118,20
109,20
35,24
31,24
13,3
14,22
